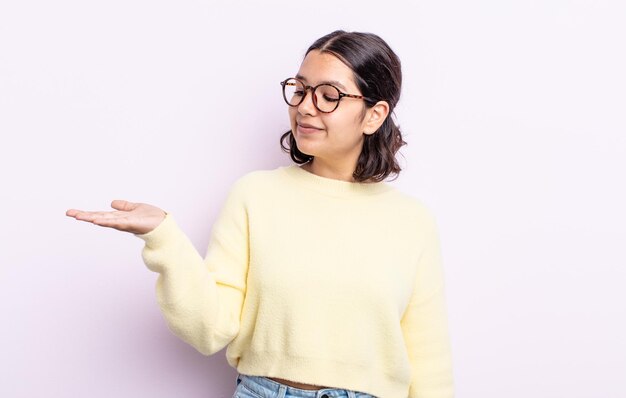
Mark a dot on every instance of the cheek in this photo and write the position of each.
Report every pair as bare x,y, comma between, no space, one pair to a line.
344,124
292,115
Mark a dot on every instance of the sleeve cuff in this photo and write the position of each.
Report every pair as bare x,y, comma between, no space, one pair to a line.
161,234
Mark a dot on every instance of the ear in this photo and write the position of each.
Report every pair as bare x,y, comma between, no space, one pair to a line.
375,116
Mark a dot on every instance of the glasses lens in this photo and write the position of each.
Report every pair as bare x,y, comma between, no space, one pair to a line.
293,91
327,97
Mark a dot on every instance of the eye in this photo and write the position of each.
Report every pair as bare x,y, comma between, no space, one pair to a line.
330,99
298,92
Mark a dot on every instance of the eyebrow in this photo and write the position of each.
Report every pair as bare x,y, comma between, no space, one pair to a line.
334,82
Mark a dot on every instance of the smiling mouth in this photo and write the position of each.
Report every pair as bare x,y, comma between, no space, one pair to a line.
307,130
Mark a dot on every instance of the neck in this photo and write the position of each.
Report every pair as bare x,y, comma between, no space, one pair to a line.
332,186
335,172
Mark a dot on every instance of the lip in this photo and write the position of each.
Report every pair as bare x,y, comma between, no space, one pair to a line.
307,128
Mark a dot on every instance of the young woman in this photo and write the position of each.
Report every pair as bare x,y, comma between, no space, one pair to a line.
320,278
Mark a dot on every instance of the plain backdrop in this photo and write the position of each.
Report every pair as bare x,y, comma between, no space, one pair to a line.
514,114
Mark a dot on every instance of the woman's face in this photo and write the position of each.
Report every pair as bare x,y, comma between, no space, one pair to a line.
336,137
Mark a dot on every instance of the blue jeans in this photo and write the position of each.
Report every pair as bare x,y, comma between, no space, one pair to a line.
263,387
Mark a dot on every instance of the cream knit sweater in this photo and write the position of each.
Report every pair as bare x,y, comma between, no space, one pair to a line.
315,280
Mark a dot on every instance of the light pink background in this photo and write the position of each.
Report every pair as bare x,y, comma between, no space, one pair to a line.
514,115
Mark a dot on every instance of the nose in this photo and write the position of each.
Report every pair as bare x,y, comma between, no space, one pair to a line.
307,107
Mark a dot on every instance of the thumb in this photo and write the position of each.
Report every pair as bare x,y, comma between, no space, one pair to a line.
124,205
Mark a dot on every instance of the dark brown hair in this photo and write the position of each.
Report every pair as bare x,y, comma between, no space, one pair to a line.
378,75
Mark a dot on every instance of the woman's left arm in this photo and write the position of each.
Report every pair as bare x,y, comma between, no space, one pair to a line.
425,324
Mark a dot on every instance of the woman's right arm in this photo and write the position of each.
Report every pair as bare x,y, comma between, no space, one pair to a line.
201,299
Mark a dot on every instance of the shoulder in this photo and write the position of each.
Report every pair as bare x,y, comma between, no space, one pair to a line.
412,204
256,182
259,176
417,214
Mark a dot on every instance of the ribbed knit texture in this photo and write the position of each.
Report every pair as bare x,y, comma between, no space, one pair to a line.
315,280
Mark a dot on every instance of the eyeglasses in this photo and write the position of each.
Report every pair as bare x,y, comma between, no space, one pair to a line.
326,97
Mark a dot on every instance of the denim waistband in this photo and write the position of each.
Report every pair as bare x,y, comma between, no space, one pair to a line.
266,387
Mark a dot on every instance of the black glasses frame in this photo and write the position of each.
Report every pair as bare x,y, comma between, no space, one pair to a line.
285,83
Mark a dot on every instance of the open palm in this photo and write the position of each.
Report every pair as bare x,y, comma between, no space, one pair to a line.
136,218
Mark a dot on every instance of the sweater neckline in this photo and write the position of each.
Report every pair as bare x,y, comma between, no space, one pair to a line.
334,187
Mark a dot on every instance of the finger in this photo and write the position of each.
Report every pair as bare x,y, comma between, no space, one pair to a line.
124,205
76,212
120,223
92,215
72,212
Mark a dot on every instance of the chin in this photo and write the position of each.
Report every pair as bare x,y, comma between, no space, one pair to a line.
308,150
